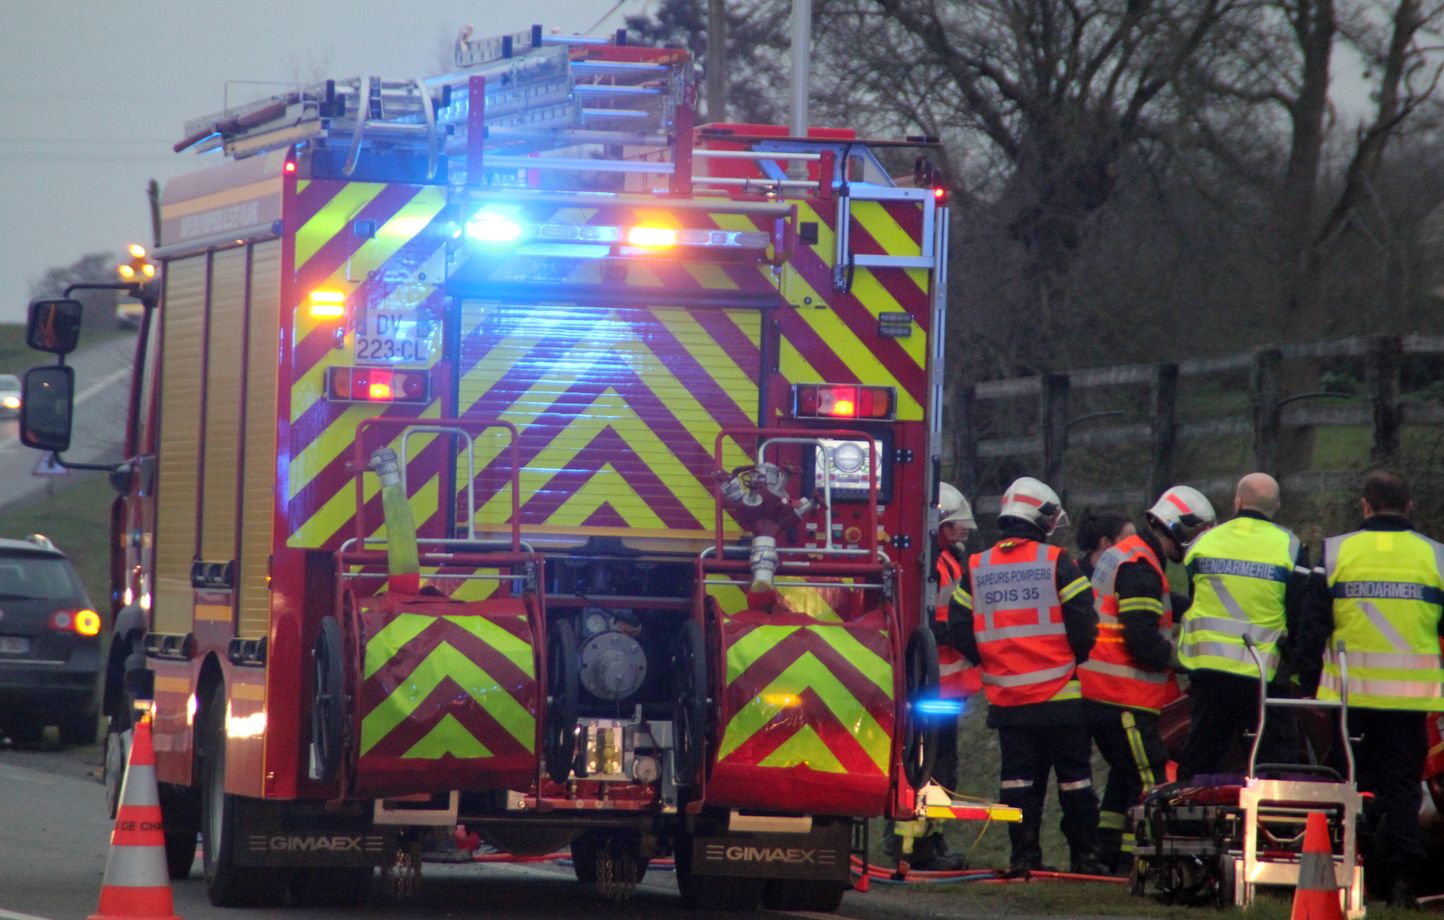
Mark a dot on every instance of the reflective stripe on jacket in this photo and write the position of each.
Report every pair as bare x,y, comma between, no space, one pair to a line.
958,678
1388,592
1240,571
1018,624
1111,675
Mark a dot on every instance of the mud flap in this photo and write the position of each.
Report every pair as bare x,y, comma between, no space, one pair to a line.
276,834
822,854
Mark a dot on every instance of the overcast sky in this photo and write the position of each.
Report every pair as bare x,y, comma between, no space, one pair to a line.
93,93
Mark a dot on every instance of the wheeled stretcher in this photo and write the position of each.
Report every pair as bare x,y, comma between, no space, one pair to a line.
1219,837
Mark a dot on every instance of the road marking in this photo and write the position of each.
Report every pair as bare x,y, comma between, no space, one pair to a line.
13,915
103,383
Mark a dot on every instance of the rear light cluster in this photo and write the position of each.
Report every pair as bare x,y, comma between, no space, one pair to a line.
376,384
833,400
83,622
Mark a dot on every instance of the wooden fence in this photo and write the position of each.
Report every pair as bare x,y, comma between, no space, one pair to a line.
1028,424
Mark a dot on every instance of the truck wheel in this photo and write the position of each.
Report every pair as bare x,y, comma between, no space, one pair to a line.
117,755
920,745
328,706
559,735
689,702
803,894
227,885
180,853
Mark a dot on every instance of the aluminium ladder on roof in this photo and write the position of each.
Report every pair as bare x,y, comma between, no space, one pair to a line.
571,102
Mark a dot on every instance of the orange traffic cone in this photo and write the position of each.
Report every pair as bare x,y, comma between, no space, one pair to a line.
137,884
1317,896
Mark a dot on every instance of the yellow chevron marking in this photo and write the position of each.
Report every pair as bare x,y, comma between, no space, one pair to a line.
710,276
878,299
804,747
807,601
826,246
302,185
333,218
881,226
608,410
724,371
606,487
848,347
402,228
447,737
807,672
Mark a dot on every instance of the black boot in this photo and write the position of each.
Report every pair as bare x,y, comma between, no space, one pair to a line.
934,855
1027,851
1085,861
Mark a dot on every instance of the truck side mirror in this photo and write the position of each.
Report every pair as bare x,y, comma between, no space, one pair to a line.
54,326
46,407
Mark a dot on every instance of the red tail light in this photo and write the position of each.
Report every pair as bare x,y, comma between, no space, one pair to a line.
376,384
837,400
83,622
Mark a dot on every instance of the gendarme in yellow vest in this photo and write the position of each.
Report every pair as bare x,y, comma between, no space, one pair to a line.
1388,590
1240,571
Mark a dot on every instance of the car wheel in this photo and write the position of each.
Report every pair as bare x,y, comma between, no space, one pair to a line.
227,885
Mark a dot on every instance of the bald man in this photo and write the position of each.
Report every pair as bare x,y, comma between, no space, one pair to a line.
1248,577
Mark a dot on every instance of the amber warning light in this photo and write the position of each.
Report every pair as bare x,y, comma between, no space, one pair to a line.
833,400
376,384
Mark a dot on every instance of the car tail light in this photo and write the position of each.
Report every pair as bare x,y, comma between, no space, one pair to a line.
833,400
376,384
82,622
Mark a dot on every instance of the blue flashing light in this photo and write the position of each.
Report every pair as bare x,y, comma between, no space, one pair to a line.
939,707
491,227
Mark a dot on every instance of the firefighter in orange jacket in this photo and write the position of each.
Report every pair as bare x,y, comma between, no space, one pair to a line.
1023,613
1127,680
959,679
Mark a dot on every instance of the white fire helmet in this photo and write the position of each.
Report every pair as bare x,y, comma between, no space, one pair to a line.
953,508
1183,513
1030,500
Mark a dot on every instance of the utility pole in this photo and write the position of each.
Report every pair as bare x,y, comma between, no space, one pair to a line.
801,54
716,60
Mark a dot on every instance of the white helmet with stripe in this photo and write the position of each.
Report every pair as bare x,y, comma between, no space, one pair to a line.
953,508
1183,513
1030,500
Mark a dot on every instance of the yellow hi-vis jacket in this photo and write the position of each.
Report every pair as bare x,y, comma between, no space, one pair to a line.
1240,572
1387,588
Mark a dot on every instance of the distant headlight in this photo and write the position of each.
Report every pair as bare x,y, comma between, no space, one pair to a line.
10,402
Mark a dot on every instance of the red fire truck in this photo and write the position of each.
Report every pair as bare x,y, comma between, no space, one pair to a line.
653,406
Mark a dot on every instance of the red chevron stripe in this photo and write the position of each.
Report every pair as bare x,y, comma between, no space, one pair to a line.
450,698
908,215
723,329
443,632
746,686
314,197
813,712
335,251
857,317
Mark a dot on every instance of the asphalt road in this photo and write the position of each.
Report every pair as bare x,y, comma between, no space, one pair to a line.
54,837
102,388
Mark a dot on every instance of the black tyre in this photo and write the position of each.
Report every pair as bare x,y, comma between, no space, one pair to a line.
180,853
584,857
920,735
329,705
803,894
117,754
559,735
689,702
80,730
227,885
589,846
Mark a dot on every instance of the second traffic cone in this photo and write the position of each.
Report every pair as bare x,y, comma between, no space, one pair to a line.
1317,896
137,883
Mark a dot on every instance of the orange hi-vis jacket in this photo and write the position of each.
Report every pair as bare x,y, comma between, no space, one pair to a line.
1111,674
958,678
1018,624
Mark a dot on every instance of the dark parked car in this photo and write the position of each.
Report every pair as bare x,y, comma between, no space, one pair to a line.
50,637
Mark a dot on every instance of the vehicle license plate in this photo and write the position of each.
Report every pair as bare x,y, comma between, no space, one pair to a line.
14,645
396,337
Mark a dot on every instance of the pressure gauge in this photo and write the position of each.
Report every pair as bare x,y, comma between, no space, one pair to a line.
849,457
595,621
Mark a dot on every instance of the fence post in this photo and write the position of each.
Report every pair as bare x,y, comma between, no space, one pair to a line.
965,445
1381,372
1053,416
1165,428
1267,386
